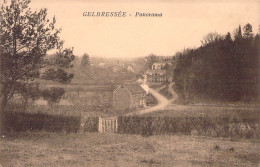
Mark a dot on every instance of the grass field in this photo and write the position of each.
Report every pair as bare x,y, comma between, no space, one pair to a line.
209,111
94,149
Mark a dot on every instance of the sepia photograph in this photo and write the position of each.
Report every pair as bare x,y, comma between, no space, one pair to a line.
129,83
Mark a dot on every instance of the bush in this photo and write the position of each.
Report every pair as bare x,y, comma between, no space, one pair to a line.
206,126
165,92
91,124
20,122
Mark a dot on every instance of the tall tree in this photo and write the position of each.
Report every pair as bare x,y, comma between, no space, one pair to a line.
210,38
225,69
228,37
238,33
248,31
150,60
26,37
85,60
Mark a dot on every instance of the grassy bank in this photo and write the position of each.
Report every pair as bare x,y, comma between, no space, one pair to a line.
94,149
165,92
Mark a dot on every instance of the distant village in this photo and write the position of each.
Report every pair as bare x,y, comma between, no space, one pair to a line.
123,91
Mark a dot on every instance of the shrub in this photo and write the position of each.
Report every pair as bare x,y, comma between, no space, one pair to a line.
206,126
20,122
91,124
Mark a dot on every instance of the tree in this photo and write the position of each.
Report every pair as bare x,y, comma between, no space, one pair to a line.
184,73
150,60
225,69
53,95
210,38
228,37
238,33
248,31
26,37
85,60
29,91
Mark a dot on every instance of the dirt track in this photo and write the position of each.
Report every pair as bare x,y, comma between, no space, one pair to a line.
162,101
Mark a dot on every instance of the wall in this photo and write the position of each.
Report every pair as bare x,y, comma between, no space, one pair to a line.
121,98
135,100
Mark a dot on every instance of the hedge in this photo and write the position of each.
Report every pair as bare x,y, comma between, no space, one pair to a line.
146,126
205,126
91,124
20,122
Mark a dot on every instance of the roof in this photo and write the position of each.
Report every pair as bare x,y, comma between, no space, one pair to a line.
134,89
159,64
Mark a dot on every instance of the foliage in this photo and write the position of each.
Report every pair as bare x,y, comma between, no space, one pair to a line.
91,124
205,126
53,95
210,38
248,31
85,60
26,37
165,92
150,60
222,69
29,91
21,122
150,100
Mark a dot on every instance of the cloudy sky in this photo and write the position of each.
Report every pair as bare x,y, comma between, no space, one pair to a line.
184,23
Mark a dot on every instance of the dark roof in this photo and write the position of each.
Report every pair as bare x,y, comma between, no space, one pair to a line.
84,88
134,89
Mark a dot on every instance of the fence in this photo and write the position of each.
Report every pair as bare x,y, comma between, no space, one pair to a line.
109,125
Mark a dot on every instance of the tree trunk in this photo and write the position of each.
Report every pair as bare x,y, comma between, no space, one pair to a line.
2,115
185,85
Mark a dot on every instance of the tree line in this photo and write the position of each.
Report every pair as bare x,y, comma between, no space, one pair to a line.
222,68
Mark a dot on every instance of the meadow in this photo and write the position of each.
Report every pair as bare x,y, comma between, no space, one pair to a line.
116,150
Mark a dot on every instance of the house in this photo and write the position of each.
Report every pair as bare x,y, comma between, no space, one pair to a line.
129,96
156,76
160,73
130,68
158,66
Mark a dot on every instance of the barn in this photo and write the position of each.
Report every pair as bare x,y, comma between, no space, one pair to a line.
129,96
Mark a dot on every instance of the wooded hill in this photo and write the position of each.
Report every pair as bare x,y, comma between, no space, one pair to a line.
222,68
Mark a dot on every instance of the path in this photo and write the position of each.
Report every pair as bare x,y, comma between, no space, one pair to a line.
162,101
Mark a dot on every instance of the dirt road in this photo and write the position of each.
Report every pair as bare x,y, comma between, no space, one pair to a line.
162,101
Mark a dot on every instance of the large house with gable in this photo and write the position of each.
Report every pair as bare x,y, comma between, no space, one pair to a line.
129,96
157,74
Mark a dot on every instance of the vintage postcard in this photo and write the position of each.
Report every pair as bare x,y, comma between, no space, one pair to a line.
114,83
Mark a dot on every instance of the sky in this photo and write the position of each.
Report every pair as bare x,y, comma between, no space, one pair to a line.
183,24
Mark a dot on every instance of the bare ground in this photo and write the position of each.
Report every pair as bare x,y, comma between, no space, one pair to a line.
116,150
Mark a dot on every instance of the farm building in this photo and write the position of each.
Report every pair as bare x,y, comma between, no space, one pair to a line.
159,73
129,96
